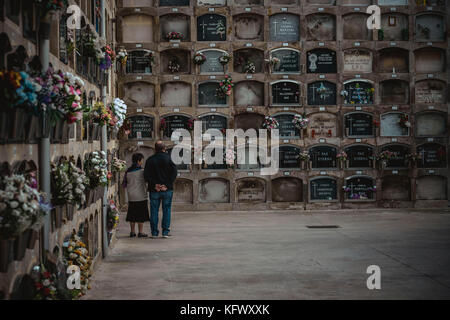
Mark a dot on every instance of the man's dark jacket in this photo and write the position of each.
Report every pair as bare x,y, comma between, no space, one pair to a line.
160,169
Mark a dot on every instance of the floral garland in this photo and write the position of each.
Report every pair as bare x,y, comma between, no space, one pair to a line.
199,58
119,110
96,168
118,165
249,67
174,65
220,29
385,155
300,122
270,123
18,89
223,60
225,86
73,86
173,35
75,253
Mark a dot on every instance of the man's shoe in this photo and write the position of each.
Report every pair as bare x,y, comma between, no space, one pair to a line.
132,234
154,237
142,235
167,236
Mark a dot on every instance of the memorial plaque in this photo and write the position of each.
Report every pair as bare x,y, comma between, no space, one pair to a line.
359,156
284,27
249,2
208,95
173,3
212,64
394,92
323,157
390,126
398,160
433,155
358,92
286,128
250,190
430,27
356,60
214,190
321,61
213,121
285,92
289,61
212,3
430,91
211,27
141,127
139,61
392,2
430,124
359,125
322,125
323,189
322,93
175,122
361,188
289,157
287,189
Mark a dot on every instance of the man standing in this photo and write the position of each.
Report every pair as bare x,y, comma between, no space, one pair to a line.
160,172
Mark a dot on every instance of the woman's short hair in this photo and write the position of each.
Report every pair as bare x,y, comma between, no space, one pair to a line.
137,157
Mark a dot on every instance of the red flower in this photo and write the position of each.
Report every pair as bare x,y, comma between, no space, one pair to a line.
46,291
38,285
47,274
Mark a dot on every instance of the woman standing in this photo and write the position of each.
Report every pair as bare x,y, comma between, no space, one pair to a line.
137,195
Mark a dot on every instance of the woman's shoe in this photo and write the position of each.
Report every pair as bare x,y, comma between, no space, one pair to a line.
132,234
142,235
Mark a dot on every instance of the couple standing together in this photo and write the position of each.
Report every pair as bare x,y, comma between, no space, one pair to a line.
157,177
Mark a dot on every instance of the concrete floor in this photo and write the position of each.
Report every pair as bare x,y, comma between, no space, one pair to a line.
273,255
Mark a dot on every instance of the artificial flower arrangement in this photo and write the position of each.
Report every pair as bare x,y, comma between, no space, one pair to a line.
88,43
199,58
122,56
174,65
119,110
230,156
118,165
225,86
52,5
162,124
73,86
249,67
173,35
96,168
105,57
46,285
125,129
190,123
303,156
270,123
113,216
385,155
413,158
342,156
75,253
223,60
100,114
403,121
300,122
273,61
220,29
18,89
358,195
79,182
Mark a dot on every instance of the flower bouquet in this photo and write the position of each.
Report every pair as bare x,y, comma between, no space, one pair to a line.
270,123
61,185
122,56
118,109
100,114
174,65
403,121
162,127
273,61
52,5
105,57
300,122
249,67
113,216
413,158
303,157
118,165
96,168
199,58
75,253
230,156
46,285
73,86
18,89
384,157
223,60
173,35
342,158
225,87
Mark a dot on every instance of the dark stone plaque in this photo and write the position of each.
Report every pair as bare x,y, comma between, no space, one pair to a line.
358,125
175,122
321,61
323,189
359,188
173,3
322,93
212,64
207,94
211,27
139,61
286,128
214,122
141,127
288,157
284,27
398,160
358,92
285,93
289,61
323,157
359,156
433,155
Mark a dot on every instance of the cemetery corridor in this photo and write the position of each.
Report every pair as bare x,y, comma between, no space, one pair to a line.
274,255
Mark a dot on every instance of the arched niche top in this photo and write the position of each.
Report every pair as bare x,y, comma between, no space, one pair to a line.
321,27
248,27
284,27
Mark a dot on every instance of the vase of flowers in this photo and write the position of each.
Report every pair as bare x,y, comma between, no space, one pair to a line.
162,127
225,87
404,123
384,157
273,62
270,123
122,57
223,60
301,123
249,67
174,65
303,158
343,159
199,58
105,57
174,36
412,159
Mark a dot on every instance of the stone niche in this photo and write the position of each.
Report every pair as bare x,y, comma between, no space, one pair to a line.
215,165
250,190
399,158
359,124
393,2
358,92
393,60
390,127
353,29
430,27
249,2
175,23
137,3
211,27
360,188
431,124
356,2
359,156
288,157
321,27
289,60
323,189
214,190
211,3
243,56
139,61
322,125
394,91
146,151
430,91
321,61
285,92
320,2
139,94
137,28
323,157
212,64
208,95
141,127
430,60
174,122
248,27
287,189
286,128
176,94
321,93
248,120
178,3
433,155
431,188
396,188
394,26
357,60
284,27
284,2
182,191
175,56
248,93
213,121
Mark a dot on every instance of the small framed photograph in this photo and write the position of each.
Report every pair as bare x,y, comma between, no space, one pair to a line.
392,21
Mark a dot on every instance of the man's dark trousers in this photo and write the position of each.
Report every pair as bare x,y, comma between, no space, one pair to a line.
156,198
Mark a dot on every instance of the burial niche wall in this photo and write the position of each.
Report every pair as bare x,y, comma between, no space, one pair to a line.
244,58
394,27
251,160
394,91
430,91
139,94
139,61
431,188
322,125
430,27
284,27
137,28
390,125
396,187
249,27
431,124
433,155
175,23
323,189
359,124
399,155
176,94
141,127
287,189
248,120
175,61
360,156
359,188
393,60
211,27
250,190
323,157
320,27
321,93
285,92
357,60
249,93
214,190
429,60
208,95
212,64
354,27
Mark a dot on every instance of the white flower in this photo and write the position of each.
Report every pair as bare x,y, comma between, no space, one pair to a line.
46,282
13,204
